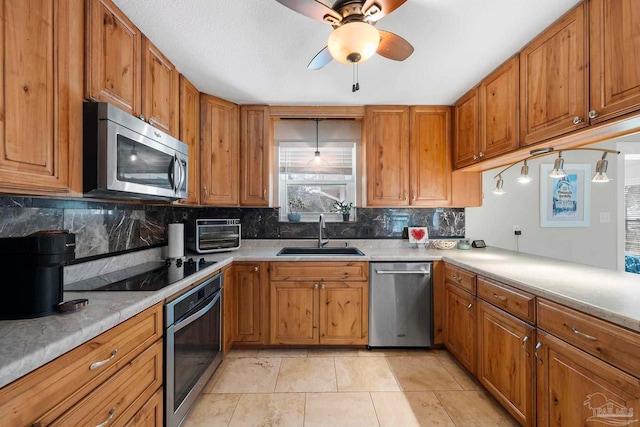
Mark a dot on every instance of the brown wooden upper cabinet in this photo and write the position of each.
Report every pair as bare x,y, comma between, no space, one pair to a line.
160,90
554,80
127,70
219,145
430,153
614,47
408,154
254,155
41,76
486,117
190,135
387,155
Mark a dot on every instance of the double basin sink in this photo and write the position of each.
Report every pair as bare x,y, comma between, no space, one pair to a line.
320,251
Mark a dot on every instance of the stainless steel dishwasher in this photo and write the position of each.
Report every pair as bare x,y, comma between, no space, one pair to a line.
400,304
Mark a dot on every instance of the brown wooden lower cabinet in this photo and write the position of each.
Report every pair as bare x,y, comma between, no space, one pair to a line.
577,389
505,361
151,414
76,390
323,303
460,325
249,302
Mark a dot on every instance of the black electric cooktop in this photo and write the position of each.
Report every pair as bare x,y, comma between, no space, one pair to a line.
146,277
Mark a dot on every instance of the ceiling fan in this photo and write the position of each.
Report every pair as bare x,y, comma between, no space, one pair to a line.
354,38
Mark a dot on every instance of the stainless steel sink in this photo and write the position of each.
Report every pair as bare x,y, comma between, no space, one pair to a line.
320,251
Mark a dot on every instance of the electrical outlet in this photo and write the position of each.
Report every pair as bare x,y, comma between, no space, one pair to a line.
516,230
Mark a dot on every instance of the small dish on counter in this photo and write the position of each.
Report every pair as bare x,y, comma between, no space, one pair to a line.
443,244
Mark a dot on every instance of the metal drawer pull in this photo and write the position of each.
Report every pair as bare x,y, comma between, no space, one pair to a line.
524,342
583,335
500,297
457,278
423,272
105,361
538,345
577,120
470,305
112,411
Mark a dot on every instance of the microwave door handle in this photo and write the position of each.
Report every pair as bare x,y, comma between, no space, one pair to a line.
178,173
183,174
172,173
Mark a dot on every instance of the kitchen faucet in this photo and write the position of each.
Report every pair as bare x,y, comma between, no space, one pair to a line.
322,226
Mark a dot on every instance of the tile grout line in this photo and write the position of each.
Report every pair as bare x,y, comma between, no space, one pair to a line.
374,408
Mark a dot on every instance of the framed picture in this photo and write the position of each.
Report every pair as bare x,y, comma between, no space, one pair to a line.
565,202
418,234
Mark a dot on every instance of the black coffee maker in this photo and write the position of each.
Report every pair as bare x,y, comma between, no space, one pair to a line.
32,283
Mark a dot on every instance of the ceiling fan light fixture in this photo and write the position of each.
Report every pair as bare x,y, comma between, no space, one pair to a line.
353,42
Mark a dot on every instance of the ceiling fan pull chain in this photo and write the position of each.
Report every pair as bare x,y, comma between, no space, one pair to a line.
356,85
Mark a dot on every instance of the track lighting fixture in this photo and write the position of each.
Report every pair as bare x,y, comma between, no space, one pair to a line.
558,167
499,190
601,170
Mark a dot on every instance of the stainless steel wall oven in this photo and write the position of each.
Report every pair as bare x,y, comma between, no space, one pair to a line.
193,346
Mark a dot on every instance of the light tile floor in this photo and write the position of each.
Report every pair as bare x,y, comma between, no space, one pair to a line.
342,388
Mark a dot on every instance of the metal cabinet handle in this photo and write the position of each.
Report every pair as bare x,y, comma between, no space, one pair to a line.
475,157
315,286
524,344
481,154
457,278
105,361
535,353
583,335
206,192
322,287
470,305
141,117
151,121
593,114
264,193
112,411
577,120
500,297
255,268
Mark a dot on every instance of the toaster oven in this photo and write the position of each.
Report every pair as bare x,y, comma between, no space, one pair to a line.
212,235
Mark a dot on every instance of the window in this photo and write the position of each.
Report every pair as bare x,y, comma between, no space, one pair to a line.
317,182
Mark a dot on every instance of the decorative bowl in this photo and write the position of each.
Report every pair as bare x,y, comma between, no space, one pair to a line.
444,244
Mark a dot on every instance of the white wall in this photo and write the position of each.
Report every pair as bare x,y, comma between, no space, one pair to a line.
595,245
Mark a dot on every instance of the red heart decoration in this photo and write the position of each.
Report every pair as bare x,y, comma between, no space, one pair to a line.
417,234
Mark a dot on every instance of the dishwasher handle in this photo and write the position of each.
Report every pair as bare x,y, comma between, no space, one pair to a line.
420,272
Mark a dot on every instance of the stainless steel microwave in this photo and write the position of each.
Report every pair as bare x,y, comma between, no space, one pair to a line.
125,157
212,235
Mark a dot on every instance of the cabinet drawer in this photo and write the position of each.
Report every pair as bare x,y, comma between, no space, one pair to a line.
118,399
462,278
319,271
514,301
611,343
69,378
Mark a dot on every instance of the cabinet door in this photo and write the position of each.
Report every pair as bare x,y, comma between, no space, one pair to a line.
190,135
151,414
576,389
344,313
254,156
554,81
614,47
160,90
466,143
114,57
247,302
41,96
294,312
387,152
460,325
430,156
505,361
219,172
499,110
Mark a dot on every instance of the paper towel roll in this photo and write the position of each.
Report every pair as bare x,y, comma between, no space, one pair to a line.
176,241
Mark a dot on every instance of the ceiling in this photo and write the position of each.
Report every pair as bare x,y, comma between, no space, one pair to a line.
257,51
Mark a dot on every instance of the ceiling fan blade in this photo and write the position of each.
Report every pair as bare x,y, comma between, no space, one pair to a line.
385,7
321,59
313,9
392,46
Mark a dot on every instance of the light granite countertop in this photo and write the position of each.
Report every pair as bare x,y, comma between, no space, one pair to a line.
28,344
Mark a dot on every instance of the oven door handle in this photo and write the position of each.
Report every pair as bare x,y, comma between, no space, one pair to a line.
198,314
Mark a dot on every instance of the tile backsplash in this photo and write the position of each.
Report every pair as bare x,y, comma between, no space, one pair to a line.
109,227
